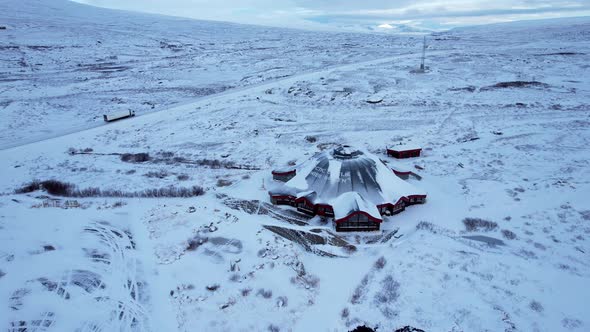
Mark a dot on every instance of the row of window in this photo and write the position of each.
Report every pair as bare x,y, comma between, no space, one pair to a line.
322,210
357,226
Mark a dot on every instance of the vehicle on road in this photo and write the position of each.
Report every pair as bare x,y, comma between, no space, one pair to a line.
118,116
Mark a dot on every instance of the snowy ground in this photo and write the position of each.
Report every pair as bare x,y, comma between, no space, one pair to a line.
64,65
516,156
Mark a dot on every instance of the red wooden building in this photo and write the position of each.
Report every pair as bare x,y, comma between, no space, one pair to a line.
353,187
404,151
402,173
283,175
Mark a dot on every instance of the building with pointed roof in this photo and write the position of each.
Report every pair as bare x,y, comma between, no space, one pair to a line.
352,186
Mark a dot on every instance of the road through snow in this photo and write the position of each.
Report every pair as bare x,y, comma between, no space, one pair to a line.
201,100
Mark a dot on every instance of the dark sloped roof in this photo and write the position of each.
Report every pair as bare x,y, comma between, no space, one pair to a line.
327,176
357,174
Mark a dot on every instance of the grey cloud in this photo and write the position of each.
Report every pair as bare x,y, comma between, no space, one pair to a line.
444,12
322,13
345,5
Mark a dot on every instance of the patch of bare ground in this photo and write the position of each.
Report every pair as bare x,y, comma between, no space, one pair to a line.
167,158
256,207
478,224
65,189
308,240
516,84
560,53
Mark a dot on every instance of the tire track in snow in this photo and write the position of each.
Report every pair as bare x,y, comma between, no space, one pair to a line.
158,279
97,286
122,296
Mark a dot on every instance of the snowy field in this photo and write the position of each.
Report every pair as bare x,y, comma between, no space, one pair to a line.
503,115
63,65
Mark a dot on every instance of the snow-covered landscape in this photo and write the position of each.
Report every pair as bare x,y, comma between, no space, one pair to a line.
163,222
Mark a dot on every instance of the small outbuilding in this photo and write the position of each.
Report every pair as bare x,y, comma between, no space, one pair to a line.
404,151
401,172
352,186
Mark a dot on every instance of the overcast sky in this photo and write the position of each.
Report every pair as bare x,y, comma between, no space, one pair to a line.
336,13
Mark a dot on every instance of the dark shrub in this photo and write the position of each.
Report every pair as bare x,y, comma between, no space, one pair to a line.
196,242
425,225
135,157
536,306
197,191
28,188
57,188
345,313
212,287
311,281
159,174
48,248
362,328
265,293
311,139
349,248
476,224
182,177
380,263
359,291
223,183
408,329
178,159
118,204
91,192
213,163
166,154
64,189
389,291
519,84
508,234
571,323
172,192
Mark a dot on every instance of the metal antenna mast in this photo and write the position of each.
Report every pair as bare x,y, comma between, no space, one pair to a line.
422,68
